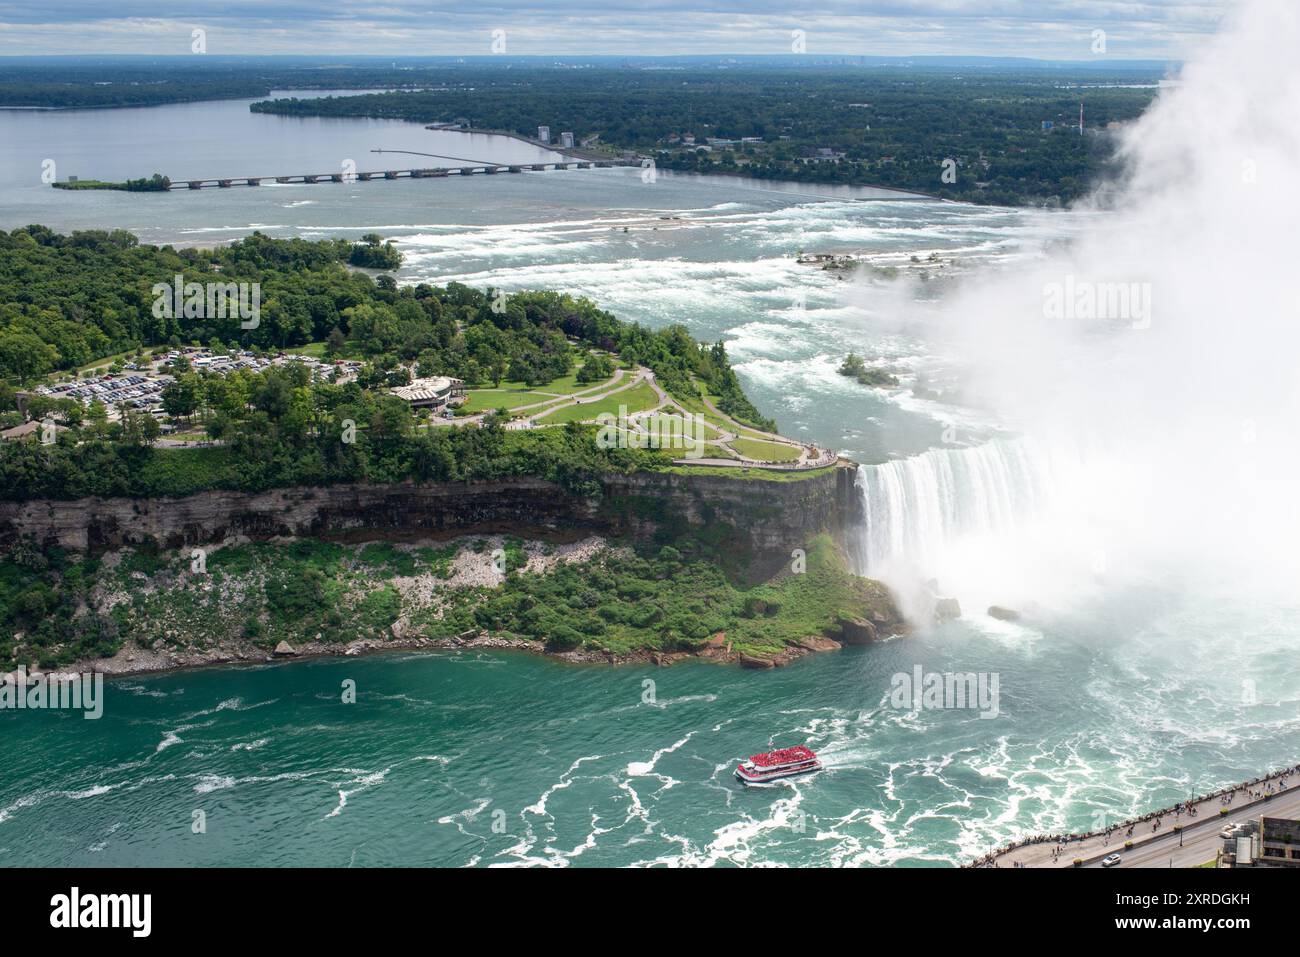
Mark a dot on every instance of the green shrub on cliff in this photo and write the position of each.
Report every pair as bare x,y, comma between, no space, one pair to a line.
673,602
620,600
44,618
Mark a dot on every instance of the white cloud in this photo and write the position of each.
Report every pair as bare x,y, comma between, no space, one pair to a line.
1048,28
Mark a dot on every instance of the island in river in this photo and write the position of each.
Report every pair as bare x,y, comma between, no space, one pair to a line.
157,183
332,498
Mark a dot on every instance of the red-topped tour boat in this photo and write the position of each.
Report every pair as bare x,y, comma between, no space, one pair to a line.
785,763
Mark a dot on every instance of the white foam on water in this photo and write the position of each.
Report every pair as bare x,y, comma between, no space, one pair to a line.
364,781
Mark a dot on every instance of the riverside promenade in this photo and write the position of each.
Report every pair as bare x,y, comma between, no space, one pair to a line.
1187,833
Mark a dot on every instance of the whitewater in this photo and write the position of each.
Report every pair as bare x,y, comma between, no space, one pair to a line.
1127,491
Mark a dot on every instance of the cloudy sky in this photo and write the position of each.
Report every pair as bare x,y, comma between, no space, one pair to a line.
1057,29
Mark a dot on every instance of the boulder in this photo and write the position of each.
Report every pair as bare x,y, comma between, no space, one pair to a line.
1003,614
284,650
816,643
857,631
946,609
749,661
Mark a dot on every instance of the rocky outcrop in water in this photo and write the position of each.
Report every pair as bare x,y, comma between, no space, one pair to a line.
946,609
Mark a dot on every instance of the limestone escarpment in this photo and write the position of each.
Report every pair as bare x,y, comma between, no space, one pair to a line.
765,517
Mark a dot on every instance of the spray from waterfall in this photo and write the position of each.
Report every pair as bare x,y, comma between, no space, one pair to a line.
1149,363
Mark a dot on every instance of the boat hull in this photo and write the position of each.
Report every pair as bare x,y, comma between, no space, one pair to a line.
749,778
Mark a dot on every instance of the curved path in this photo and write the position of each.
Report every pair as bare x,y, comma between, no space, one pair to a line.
809,457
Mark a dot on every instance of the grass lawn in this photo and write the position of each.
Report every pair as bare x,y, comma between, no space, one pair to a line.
656,421
483,400
694,404
674,447
569,384
640,397
766,451
741,428
680,438
314,349
511,395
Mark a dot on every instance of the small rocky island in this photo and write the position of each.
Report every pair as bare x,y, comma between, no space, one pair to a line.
854,367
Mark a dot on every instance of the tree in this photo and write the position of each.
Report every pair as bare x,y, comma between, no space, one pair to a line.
336,343
139,429
597,368
25,355
180,398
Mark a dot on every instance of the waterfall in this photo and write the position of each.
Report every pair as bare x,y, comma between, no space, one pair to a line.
915,508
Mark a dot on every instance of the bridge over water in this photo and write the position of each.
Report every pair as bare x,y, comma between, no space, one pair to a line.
428,172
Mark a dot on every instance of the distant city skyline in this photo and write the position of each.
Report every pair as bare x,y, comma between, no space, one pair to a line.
1042,29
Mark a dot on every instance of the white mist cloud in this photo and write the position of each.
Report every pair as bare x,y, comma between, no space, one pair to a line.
1174,438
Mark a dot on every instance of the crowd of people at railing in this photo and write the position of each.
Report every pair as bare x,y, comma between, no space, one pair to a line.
1254,790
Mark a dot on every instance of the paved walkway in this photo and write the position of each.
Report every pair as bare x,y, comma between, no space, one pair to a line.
810,457
610,386
1155,842
807,459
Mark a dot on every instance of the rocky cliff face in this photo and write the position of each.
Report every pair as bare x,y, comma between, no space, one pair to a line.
764,517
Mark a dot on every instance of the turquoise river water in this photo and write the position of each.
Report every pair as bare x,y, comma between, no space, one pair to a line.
1117,701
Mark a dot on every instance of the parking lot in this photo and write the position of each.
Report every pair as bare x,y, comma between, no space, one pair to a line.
140,384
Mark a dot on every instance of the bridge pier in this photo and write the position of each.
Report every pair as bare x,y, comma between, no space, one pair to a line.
414,173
